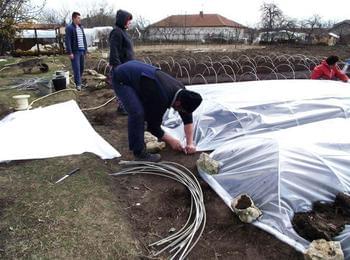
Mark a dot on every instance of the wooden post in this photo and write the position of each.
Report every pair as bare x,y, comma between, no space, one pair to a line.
36,41
57,39
60,43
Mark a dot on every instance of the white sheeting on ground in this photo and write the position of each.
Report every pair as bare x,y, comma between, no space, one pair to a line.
56,130
234,109
285,143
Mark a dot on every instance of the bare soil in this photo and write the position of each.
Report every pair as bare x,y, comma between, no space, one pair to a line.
325,221
243,202
153,205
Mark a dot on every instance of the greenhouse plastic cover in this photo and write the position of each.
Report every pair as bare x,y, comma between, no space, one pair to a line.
285,143
285,172
56,130
230,110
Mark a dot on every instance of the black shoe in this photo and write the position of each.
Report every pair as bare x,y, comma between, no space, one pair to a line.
148,157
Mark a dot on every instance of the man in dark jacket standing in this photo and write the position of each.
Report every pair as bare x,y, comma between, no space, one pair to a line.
146,93
121,48
76,47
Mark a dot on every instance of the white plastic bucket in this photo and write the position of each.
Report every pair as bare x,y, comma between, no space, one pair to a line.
21,101
67,77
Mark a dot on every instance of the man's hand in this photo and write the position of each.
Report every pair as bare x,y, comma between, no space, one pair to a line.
173,142
71,56
175,145
190,149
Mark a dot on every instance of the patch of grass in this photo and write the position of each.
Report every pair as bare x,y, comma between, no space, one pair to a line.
8,60
78,218
14,76
75,218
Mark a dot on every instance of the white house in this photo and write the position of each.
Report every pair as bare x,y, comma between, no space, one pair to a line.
196,27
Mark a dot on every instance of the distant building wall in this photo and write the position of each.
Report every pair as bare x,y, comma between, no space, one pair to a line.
195,33
343,30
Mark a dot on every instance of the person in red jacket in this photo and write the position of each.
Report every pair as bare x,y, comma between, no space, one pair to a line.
328,69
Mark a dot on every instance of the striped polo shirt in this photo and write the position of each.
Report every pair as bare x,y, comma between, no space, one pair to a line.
80,36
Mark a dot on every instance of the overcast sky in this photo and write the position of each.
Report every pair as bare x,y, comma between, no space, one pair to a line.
245,12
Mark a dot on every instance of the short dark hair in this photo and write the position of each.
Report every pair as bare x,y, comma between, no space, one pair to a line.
75,14
189,100
331,60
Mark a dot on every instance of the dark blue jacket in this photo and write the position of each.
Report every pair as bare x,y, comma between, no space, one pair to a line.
121,48
71,39
155,89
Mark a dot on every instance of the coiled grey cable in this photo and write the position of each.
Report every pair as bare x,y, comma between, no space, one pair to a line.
183,241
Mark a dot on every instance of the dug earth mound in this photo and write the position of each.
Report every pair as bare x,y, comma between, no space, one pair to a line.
325,221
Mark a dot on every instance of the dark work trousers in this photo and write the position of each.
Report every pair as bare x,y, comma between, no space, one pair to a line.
136,115
78,66
119,102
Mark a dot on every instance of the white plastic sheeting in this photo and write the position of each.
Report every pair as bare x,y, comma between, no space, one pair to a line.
47,34
95,34
285,143
234,109
56,130
285,172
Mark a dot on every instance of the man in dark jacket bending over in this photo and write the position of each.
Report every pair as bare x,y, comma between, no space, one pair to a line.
146,93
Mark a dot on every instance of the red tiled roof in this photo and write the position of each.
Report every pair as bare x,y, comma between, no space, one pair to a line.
196,20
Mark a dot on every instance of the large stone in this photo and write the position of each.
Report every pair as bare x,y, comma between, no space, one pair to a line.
152,144
324,250
245,208
207,164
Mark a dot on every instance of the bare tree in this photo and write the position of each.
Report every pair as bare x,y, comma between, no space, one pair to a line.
328,24
237,34
271,17
139,30
102,17
55,16
311,25
184,29
17,11
290,27
98,14
13,12
168,30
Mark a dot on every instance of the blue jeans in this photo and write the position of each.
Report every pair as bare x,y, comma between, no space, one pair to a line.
136,115
78,66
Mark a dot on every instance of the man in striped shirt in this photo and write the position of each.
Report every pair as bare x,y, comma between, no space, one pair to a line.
76,47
